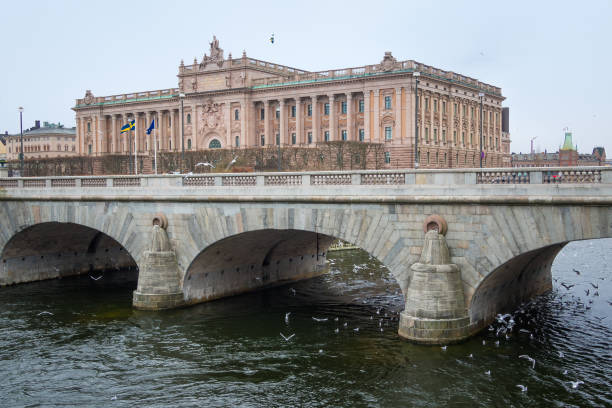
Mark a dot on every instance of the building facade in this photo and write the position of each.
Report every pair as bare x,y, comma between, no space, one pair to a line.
47,141
566,156
244,102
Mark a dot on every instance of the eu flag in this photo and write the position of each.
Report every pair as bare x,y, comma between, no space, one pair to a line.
150,129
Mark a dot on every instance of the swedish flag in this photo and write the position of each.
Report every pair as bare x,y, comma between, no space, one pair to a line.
130,125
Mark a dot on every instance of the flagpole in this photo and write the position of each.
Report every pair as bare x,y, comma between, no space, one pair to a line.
155,148
135,149
130,151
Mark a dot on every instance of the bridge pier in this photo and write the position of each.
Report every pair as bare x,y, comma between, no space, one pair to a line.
435,311
159,285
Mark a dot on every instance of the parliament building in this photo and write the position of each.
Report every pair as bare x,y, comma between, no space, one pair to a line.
245,103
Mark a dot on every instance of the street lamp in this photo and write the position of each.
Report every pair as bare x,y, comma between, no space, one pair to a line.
481,95
20,109
416,76
182,96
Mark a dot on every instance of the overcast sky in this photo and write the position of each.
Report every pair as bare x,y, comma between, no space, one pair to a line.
552,59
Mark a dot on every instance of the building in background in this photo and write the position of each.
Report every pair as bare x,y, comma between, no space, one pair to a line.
47,141
243,102
566,156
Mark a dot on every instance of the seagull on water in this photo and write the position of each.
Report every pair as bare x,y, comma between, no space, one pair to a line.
96,279
443,348
532,360
292,291
287,317
45,313
575,384
287,338
488,372
319,319
522,387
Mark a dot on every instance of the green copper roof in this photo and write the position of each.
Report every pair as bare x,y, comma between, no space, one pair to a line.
568,145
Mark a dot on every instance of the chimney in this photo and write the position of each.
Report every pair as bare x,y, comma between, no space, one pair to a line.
37,124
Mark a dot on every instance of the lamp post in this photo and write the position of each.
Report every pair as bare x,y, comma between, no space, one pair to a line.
416,76
182,96
20,109
481,95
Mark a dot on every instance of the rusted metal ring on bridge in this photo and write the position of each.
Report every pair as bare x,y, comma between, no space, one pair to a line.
435,222
161,220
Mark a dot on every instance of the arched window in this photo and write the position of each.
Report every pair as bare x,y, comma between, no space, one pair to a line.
189,144
188,118
89,126
65,148
236,114
59,148
214,144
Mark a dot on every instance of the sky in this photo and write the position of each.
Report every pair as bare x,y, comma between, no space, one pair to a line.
552,59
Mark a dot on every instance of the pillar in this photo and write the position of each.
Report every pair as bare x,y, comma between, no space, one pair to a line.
244,114
282,128
315,120
147,147
332,118
269,138
350,126
376,118
115,146
367,116
160,130
228,124
194,127
299,126
397,132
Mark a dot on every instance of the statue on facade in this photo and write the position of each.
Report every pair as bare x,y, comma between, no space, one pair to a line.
211,117
216,54
88,97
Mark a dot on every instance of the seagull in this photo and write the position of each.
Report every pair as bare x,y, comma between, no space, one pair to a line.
98,278
522,387
292,291
594,285
233,160
337,330
443,348
356,329
564,372
471,356
600,318
320,351
488,372
524,331
45,313
114,398
566,286
596,293
575,384
287,317
484,342
528,358
576,270
207,164
561,354
319,319
345,324
285,337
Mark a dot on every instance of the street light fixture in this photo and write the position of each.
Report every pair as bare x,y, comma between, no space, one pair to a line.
182,97
416,76
481,95
20,109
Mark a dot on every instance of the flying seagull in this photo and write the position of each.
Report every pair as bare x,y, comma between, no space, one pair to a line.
207,164
575,384
45,313
287,317
566,286
576,270
96,279
319,319
287,338
522,387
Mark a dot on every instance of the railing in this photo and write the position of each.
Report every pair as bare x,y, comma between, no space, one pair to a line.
129,96
372,178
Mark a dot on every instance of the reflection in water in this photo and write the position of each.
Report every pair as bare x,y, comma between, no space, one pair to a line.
92,346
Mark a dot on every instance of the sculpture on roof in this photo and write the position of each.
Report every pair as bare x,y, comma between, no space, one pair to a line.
216,54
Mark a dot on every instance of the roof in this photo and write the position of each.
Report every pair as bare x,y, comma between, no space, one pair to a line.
47,131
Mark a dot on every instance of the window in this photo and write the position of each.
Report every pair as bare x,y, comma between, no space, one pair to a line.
343,107
236,114
59,148
496,118
262,114
278,113
463,138
427,157
214,144
169,121
309,109
427,134
455,109
263,140
387,102
326,136
361,135
344,136
435,105
387,157
472,112
471,138
237,141
361,106
464,110
65,148
293,139
89,126
170,144
278,139
443,106
326,109
89,149
188,144
388,134
444,135
426,104
188,118
435,135
293,108
309,137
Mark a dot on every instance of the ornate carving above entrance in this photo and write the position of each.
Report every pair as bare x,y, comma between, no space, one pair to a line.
211,117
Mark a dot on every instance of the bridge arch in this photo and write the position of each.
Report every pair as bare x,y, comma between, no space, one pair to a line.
43,241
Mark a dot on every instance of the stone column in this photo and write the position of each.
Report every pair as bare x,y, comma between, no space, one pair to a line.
282,128
228,124
147,137
366,116
160,130
124,136
299,134
315,120
115,146
172,139
194,127
332,118
267,132
244,114
398,115
376,118
350,126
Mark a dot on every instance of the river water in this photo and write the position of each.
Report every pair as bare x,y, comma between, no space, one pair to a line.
77,342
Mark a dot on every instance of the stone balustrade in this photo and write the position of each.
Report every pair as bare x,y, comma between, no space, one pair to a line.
450,177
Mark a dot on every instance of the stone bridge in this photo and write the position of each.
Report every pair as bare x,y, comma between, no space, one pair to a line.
200,237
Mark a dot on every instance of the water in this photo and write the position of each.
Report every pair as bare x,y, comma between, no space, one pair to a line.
94,350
